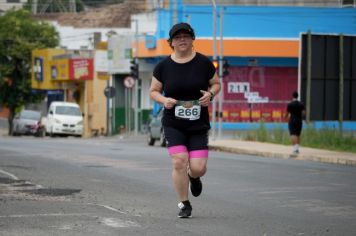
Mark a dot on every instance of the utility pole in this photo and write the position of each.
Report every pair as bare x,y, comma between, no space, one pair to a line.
221,94
72,6
341,83
175,15
309,67
214,59
136,105
34,7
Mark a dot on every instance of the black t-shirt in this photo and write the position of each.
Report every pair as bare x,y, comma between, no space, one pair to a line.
183,82
295,108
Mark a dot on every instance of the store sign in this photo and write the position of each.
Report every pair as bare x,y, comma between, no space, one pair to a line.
150,41
81,69
238,87
38,68
101,60
59,69
120,54
244,88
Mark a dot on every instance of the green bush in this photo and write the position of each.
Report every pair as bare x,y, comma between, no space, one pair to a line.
325,138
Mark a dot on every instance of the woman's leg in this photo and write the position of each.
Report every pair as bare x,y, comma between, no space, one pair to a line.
179,172
198,165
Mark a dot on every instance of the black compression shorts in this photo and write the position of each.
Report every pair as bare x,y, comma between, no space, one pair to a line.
193,140
295,127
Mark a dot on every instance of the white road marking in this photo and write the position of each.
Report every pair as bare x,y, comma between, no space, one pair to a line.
14,177
109,208
117,223
66,227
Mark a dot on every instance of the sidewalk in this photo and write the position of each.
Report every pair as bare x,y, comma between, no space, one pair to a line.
282,151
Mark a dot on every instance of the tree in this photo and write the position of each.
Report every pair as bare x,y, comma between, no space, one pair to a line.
19,35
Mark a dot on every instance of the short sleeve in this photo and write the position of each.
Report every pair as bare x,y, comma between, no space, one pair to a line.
157,72
211,69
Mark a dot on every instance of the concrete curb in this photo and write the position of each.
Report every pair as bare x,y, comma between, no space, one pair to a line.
315,158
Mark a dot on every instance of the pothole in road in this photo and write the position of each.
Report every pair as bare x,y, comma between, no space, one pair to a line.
52,191
9,181
25,184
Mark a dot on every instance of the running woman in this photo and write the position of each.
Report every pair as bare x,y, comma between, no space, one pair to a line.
185,83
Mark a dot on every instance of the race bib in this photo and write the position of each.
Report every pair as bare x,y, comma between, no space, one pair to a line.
187,110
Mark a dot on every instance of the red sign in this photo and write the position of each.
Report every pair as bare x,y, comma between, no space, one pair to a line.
261,84
81,69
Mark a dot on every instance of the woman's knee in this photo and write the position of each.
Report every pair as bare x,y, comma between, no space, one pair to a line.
198,170
180,162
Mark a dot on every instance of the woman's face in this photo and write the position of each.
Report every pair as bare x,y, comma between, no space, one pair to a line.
182,41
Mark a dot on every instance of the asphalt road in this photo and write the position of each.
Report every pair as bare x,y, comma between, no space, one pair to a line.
113,186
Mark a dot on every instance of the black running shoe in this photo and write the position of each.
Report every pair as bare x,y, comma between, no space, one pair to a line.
196,186
185,209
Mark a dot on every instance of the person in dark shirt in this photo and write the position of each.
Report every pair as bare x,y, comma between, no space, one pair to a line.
185,82
295,114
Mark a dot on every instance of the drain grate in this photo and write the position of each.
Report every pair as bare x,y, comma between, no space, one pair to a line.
53,191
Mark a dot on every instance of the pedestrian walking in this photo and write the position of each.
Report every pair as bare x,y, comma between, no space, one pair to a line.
185,83
295,114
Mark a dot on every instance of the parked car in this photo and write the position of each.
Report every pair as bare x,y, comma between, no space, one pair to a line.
155,130
27,122
64,118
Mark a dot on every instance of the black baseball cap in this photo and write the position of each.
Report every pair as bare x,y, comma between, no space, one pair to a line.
181,26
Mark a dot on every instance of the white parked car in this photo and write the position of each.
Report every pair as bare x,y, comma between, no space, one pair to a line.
64,118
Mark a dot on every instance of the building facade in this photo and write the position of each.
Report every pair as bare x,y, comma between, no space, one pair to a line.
260,43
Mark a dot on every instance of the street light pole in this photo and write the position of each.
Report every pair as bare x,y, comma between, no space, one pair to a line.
221,94
214,59
136,105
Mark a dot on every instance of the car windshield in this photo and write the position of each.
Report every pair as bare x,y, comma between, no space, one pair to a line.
66,110
30,115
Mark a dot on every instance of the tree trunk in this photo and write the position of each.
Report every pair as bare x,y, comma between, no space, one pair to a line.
10,119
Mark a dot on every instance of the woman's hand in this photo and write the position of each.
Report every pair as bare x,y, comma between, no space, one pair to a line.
205,99
169,103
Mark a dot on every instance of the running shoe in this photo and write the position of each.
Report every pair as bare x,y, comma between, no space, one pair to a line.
196,186
185,209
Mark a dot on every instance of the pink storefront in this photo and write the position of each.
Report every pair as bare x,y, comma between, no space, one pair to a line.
254,93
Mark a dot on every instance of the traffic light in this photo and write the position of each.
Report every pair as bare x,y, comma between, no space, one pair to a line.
134,68
216,64
226,68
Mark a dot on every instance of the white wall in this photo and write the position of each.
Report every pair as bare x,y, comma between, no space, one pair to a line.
147,23
147,26
83,38
5,6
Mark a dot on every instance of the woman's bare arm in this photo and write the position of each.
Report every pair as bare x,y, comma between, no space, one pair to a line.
156,94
